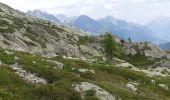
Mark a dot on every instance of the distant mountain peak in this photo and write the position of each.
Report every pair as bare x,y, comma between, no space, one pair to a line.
43,15
84,16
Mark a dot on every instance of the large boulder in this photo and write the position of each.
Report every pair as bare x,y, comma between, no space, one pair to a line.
145,48
99,92
164,86
58,64
86,71
131,87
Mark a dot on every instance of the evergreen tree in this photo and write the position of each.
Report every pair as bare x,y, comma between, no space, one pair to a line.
109,44
130,40
122,41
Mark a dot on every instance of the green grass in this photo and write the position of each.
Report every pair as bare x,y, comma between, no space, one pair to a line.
138,60
83,40
6,58
110,78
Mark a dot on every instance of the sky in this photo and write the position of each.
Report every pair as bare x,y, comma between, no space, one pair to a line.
139,11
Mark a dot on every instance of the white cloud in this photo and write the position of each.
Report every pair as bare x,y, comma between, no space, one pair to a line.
140,11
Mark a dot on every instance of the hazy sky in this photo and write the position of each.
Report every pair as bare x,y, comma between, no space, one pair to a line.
140,11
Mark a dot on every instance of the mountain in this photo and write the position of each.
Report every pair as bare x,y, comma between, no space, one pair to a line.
64,19
160,27
165,46
43,15
118,27
87,24
41,60
125,29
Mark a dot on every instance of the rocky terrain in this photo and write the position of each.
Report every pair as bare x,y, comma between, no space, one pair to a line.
25,33
41,60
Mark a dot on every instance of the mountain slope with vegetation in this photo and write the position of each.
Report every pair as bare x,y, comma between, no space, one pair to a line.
44,61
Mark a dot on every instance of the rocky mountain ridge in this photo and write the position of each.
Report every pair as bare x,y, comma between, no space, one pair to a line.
118,27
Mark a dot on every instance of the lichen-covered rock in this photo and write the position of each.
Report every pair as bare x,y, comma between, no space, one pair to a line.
27,75
99,92
164,86
153,82
165,64
86,70
58,64
8,52
145,48
131,87
89,50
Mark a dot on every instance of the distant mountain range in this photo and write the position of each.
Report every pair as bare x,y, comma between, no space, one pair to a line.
160,27
165,46
44,15
118,27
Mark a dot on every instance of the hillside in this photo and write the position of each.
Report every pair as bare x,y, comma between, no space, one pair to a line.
25,33
40,60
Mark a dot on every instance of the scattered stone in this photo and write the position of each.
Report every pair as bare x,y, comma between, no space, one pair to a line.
8,52
58,64
71,58
27,75
16,58
73,69
92,71
134,83
153,82
86,71
33,62
164,86
47,66
131,87
99,92
83,70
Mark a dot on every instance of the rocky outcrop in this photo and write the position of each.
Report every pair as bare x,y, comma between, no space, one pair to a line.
99,92
158,71
57,64
131,87
22,32
164,86
165,64
27,75
145,48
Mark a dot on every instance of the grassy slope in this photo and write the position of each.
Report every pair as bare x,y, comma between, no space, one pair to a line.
110,78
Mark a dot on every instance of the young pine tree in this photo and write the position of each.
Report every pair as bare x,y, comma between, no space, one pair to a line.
130,41
109,46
